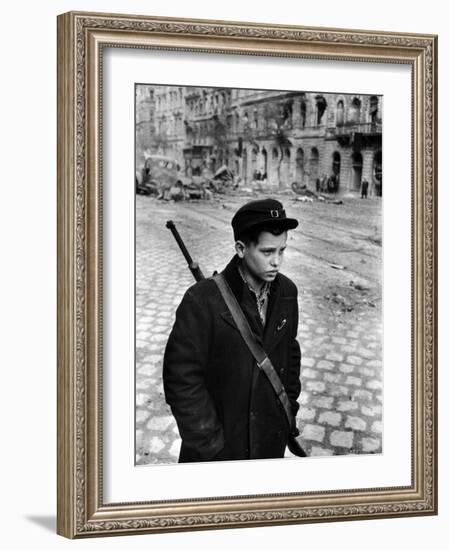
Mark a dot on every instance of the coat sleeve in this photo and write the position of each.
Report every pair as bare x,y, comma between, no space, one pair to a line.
293,385
184,376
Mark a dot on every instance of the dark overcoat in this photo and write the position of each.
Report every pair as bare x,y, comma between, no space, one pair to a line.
224,405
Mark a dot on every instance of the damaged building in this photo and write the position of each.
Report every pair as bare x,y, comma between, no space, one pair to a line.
269,139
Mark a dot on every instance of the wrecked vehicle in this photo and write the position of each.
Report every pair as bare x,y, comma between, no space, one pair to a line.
144,187
197,188
303,190
222,179
161,176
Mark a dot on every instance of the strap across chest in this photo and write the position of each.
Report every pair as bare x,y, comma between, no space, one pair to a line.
262,359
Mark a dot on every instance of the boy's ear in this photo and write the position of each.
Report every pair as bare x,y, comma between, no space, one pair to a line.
240,249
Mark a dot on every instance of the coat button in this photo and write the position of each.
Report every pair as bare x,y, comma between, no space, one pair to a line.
282,370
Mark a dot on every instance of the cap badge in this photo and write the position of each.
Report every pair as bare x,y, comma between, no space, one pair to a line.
274,213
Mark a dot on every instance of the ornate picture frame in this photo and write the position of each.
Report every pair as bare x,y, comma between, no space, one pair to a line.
82,40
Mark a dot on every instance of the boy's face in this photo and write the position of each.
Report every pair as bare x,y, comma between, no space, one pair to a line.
264,259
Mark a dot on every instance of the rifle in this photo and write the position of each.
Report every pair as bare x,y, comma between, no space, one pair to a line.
193,266
293,444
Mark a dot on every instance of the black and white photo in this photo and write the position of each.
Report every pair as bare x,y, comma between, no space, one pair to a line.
204,156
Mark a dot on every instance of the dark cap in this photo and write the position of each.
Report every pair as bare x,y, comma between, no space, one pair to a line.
266,212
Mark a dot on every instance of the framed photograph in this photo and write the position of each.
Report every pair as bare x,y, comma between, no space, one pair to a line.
246,274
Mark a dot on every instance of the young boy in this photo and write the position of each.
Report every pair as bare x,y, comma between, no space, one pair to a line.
223,403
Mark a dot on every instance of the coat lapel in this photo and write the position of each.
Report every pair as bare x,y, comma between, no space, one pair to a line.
278,324
277,315
226,315
235,282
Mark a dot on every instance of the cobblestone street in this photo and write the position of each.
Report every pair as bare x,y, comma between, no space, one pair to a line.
334,257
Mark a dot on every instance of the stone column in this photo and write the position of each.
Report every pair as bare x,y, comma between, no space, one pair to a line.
296,112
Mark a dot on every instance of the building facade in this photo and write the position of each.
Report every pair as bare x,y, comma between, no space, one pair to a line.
272,139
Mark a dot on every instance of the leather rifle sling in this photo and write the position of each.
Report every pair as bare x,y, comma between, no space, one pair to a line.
262,359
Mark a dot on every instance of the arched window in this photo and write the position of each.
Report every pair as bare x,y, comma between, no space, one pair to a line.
373,108
355,110
303,114
245,120
287,174
287,114
265,163
340,113
275,153
256,119
299,165
321,106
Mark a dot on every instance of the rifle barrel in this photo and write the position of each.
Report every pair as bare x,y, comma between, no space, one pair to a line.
193,266
170,225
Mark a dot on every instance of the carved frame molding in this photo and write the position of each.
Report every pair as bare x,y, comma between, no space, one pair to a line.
81,37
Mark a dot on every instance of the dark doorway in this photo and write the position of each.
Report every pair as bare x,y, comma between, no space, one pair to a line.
334,179
313,165
357,165
377,173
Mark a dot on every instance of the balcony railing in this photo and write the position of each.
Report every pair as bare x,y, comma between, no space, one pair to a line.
204,141
358,128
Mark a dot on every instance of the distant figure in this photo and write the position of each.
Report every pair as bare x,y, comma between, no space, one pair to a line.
365,185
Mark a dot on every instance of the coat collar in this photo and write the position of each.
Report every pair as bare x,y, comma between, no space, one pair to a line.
276,311
235,281
233,278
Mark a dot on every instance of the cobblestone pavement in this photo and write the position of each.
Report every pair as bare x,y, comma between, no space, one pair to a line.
335,259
